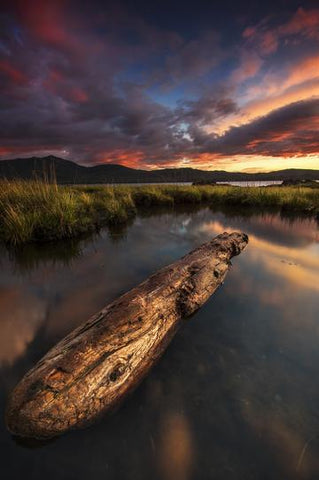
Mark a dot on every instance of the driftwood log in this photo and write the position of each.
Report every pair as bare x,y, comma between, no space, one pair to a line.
92,369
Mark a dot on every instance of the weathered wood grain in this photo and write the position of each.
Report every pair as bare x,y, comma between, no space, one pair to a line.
92,369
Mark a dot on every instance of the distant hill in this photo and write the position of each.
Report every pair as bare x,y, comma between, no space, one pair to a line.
70,172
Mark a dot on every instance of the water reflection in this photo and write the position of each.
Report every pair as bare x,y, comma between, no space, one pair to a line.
175,447
277,258
235,395
15,332
30,257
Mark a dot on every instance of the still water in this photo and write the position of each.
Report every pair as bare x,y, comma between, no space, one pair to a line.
236,394
248,183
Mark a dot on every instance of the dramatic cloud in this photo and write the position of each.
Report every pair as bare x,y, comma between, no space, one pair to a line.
124,84
283,132
304,23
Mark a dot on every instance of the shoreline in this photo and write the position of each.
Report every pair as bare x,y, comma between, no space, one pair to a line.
38,211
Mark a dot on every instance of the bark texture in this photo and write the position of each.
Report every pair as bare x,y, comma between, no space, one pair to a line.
94,367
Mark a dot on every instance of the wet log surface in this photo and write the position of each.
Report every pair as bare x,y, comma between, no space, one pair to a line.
93,368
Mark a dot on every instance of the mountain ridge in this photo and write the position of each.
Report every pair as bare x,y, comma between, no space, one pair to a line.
67,171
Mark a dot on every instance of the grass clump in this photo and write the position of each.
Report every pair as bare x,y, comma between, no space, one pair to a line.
108,204
38,210
151,196
182,195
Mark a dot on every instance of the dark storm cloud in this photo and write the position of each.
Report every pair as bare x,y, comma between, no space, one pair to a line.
189,60
210,107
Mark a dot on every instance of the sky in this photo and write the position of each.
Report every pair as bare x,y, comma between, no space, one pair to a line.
215,85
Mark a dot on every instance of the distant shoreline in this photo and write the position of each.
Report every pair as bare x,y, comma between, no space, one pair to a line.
67,172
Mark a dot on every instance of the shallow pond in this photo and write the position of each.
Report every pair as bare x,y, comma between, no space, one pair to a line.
235,395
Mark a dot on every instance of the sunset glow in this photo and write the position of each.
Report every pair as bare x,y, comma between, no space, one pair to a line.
138,85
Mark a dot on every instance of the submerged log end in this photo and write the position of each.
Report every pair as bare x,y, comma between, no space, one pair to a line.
234,242
92,370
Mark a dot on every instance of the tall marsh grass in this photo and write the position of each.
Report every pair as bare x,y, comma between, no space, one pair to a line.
39,210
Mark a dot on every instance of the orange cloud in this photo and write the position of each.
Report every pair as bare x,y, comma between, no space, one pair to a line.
304,71
264,104
266,39
303,22
59,84
128,158
250,65
78,95
262,107
269,43
249,32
